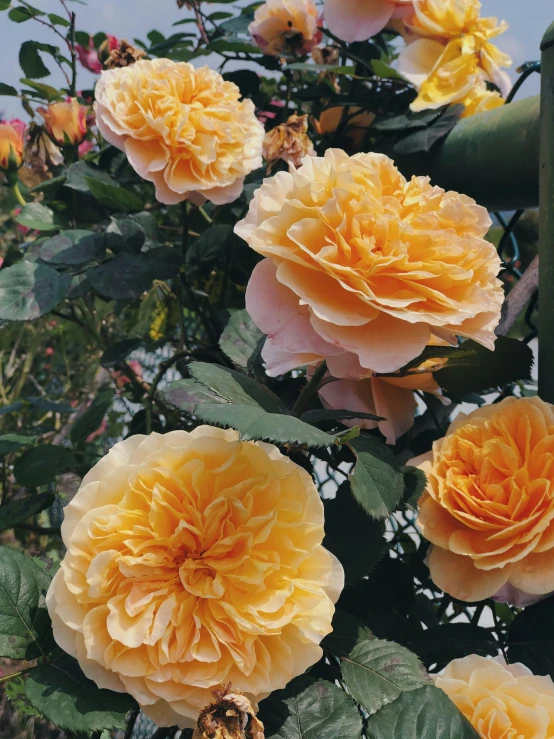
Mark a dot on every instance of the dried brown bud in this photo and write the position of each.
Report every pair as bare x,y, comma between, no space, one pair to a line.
326,55
288,141
41,152
231,716
124,55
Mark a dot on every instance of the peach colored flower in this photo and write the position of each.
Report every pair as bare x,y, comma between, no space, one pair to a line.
359,20
286,27
489,505
12,142
184,129
363,268
289,141
392,398
500,701
65,120
193,560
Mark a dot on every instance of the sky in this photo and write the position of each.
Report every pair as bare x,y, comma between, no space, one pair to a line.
130,19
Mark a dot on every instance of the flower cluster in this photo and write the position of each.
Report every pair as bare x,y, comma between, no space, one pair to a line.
194,560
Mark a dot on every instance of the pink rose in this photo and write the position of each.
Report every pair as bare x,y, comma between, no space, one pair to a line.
359,20
89,57
85,148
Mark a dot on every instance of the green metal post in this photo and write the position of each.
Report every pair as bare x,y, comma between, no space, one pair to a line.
492,157
546,221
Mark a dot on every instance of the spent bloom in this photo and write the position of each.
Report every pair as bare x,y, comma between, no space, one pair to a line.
194,560
286,27
66,120
352,20
289,141
500,700
184,129
363,267
452,54
12,143
230,716
488,509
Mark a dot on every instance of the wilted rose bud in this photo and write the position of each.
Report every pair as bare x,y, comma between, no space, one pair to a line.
66,119
289,142
12,143
231,716
124,55
326,55
42,152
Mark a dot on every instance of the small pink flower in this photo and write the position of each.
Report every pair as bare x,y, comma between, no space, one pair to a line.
121,378
85,148
49,351
89,57
99,431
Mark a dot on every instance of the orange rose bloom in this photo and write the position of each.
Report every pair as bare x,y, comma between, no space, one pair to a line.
65,120
193,560
184,129
364,268
489,505
11,142
500,701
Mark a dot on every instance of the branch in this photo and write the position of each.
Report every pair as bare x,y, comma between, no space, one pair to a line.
518,297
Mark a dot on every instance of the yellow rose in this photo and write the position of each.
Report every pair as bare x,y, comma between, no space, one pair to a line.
193,560
66,120
184,129
479,99
500,701
488,508
363,268
286,27
289,142
12,142
444,18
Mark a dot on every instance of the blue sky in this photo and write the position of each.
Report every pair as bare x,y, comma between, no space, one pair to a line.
128,19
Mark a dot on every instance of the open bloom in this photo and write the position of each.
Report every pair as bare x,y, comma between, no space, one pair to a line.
184,129
489,505
359,20
12,143
363,268
500,700
66,120
286,27
455,56
193,560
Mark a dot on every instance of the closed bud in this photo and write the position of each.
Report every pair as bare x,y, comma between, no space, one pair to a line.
12,143
289,142
66,121
231,716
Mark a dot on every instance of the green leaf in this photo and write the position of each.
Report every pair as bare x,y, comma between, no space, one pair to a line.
385,70
376,672
415,483
30,61
4,4
348,631
439,645
236,387
73,247
209,245
57,20
114,197
223,45
119,351
125,235
426,138
426,713
310,709
124,277
92,418
530,638
22,14
8,89
40,465
16,511
25,631
406,121
62,694
240,338
185,394
482,370
47,92
361,549
376,483
29,290
306,67
38,217
238,24
10,442
78,173
338,414
255,424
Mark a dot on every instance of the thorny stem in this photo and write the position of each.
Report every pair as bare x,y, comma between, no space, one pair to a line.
310,389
